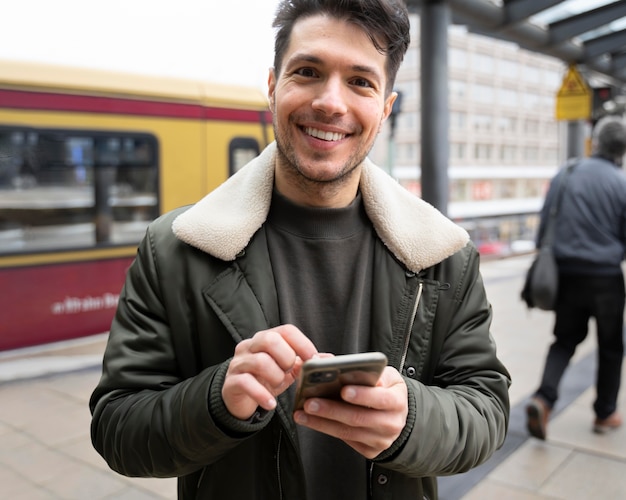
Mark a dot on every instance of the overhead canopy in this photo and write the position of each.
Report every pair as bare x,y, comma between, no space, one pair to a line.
589,33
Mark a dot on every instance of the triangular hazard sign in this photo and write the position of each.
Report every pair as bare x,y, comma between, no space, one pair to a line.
573,84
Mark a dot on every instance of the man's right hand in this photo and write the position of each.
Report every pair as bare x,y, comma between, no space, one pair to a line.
263,367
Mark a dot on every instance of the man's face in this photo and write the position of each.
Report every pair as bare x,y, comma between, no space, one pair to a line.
328,101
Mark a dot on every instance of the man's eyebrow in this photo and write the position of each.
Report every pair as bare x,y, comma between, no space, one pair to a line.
365,69
303,58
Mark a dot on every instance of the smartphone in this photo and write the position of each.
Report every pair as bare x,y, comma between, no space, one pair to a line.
324,377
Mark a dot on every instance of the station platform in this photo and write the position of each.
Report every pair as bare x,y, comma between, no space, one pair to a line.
46,452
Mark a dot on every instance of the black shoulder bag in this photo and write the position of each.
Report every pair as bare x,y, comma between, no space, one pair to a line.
542,279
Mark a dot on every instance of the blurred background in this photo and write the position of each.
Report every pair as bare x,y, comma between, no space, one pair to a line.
230,42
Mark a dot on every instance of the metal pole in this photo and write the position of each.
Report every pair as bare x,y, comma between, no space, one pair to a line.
435,19
575,139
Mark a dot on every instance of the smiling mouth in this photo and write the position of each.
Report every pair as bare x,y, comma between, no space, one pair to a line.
324,136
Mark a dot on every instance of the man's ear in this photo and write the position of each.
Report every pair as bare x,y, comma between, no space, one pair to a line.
389,104
271,87
387,109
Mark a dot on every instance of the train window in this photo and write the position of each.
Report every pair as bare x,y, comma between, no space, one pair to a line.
61,188
240,151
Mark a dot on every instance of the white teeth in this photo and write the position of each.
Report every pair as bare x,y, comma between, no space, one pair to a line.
325,136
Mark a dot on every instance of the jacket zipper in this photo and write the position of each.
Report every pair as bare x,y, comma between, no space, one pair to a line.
200,479
407,339
405,352
280,485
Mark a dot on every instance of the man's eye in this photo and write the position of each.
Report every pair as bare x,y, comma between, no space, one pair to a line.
361,82
305,72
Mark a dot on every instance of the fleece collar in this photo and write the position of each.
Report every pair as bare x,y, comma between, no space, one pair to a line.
223,222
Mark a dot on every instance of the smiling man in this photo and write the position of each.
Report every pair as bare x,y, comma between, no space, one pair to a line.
310,250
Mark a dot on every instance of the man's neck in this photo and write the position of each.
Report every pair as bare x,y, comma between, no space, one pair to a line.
334,194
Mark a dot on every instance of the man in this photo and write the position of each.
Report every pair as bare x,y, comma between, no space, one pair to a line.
309,249
589,240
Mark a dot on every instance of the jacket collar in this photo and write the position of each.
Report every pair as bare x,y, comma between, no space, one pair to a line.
223,222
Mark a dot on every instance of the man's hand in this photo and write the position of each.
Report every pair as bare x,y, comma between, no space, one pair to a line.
263,367
370,419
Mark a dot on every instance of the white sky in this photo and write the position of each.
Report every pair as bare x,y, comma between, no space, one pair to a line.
229,41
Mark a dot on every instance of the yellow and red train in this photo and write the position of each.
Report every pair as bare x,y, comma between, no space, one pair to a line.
87,159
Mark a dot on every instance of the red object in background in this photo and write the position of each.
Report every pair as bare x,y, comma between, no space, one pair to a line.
492,248
49,303
482,190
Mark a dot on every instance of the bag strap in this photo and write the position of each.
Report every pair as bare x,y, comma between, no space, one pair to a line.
546,241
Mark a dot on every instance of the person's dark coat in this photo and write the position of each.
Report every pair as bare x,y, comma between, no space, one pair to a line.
590,230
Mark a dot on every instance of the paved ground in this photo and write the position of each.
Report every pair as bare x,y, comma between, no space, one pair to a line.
46,453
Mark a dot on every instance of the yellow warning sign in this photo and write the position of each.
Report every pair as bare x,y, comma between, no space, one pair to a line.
573,100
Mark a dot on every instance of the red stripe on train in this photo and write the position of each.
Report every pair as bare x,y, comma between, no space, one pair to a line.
17,99
43,304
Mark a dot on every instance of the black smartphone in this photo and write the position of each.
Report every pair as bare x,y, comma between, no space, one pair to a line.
324,377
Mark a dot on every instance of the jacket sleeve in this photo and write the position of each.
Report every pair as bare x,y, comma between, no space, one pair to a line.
150,413
462,405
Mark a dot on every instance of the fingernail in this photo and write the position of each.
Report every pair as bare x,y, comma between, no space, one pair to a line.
300,417
313,407
349,394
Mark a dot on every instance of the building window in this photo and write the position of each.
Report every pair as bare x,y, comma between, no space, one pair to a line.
508,97
507,123
458,120
483,63
460,190
457,89
482,190
508,68
531,126
457,58
483,93
551,155
508,154
531,154
481,123
483,151
458,150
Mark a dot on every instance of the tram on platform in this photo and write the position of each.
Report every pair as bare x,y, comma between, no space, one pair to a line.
87,159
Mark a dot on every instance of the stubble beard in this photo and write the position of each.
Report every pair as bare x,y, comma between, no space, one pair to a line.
295,173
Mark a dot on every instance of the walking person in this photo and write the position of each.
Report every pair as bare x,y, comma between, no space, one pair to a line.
308,249
589,242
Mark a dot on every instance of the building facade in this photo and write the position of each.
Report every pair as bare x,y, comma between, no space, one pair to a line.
504,140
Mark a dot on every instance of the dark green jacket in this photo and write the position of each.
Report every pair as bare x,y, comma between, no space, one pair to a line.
202,281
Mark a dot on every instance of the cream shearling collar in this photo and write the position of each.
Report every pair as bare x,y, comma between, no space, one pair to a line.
223,222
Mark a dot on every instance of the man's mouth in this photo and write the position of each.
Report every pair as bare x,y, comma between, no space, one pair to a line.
324,136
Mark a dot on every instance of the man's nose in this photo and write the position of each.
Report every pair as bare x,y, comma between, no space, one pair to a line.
331,98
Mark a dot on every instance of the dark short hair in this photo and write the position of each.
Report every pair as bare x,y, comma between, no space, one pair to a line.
386,22
609,137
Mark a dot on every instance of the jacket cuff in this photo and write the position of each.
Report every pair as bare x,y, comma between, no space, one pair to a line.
229,424
398,444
